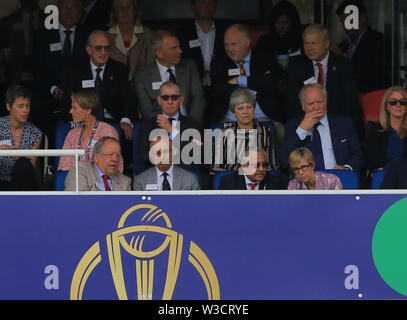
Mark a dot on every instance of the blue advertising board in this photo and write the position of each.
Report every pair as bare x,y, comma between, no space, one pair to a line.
202,246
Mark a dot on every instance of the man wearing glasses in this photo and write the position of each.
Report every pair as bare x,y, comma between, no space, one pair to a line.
109,80
172,121
102,174
252,176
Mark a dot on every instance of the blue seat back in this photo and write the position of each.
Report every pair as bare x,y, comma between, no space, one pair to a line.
349,178
377,178
217,176
60,180
138,166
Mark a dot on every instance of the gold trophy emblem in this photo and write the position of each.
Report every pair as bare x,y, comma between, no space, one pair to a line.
150,222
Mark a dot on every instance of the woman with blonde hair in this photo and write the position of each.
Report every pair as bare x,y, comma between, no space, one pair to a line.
130,41
387,138
89,131
302,164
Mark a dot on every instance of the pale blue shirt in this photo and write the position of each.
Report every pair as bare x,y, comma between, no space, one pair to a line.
247,180
174,124
242,82
207,45
102,184
326,142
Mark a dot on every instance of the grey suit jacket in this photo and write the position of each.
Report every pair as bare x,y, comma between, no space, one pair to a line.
182,180
188,79
88,179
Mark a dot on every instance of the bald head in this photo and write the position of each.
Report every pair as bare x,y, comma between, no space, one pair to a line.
237,41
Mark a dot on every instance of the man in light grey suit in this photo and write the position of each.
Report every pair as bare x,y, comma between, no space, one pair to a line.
102,173
164,176
168,66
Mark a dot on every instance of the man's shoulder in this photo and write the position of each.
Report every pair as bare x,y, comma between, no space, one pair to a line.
146,173
179,171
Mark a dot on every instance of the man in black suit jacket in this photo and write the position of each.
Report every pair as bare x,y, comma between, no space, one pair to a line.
96,14
252,175
243,67
366,49
334,74
172,122
339,146
396,175
109,79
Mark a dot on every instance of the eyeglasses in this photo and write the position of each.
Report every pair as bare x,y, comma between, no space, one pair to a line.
99,48
302,168
393,102
173,97
111,155
263,164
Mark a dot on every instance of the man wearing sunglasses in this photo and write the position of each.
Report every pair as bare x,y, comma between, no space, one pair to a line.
168,66
171,120
109,79
252,176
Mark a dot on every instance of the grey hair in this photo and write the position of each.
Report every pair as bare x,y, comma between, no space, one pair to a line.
311,85
241,95
241,28
94,33
99,144
159,38
316,28
170,84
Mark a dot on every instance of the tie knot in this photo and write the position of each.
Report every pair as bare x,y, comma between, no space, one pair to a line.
171,119
242,62
105,177
252,185
316,125
98,70
68,32
165,174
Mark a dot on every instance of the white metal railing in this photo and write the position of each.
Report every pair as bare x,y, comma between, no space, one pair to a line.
47,153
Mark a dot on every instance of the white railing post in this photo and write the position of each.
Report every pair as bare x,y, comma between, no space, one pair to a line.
47,153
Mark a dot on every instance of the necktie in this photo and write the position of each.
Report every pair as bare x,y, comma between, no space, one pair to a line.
107,188
166,184
99,92
252,185
242,71
67,44
314,144
320,74
172,76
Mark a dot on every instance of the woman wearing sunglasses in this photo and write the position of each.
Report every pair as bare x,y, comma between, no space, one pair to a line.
387,138
302,164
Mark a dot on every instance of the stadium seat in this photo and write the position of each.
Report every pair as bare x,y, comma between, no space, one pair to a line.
349,178
370,103
60,180
138,166
377,178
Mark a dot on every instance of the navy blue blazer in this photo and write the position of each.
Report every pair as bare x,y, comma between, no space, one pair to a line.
236,181
340,85
396,175
345,142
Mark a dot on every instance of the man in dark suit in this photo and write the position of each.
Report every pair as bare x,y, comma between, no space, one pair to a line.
365,47
96,14
252,175
109,79
243,67
396,175
170,120
319,65
169,66
56,52
331,138
202,40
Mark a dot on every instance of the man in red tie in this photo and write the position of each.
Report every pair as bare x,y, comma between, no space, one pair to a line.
252,175
320,65
102,174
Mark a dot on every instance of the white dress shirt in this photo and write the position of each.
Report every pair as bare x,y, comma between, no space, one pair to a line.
207,45
324,64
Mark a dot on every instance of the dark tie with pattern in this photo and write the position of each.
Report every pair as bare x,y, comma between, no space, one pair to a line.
100,115
107,187
166,184
67,44
172,76
315,145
